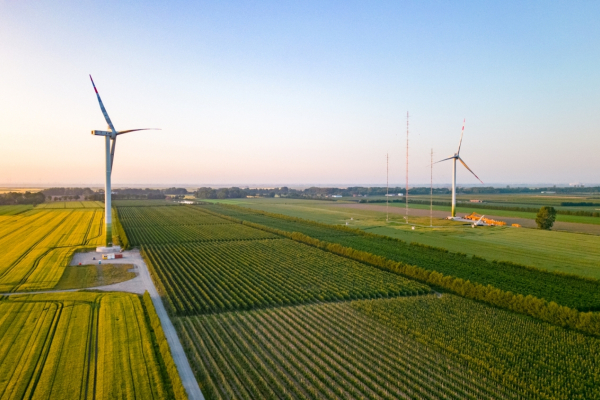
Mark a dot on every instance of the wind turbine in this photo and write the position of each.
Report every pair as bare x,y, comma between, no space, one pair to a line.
455,157
109,136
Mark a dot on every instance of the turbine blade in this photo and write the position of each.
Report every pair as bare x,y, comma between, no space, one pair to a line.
112,153
445,159
134,130
106,117
463,163
461,136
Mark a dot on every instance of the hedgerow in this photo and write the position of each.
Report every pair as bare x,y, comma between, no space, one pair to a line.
572,291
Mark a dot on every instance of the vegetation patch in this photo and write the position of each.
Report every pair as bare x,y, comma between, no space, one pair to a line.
87,276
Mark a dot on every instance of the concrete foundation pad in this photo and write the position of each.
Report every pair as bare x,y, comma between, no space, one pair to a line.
113,249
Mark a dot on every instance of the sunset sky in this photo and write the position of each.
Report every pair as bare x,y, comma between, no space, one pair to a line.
276,92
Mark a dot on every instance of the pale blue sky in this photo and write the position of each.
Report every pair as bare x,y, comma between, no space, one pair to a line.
305,92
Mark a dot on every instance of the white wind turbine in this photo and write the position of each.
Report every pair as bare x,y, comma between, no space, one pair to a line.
109,136
455,157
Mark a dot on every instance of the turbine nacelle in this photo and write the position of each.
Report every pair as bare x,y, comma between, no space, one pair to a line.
102,133
113,135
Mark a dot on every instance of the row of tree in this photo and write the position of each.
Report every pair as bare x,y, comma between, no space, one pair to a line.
13,198
360,191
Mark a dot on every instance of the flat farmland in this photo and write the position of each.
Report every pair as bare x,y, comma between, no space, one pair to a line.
549,250
38,244
159,225
414,347
14,210
571,291
71,204
78,346
215,277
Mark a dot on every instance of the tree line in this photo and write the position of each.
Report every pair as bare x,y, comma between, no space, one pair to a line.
14,198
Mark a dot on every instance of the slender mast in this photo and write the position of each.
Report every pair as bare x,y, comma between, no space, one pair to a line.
407,167
431,192
387,186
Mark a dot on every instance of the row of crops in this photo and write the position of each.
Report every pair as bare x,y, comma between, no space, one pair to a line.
327,351
144,203
284,224
574,292
193,233
71,204
14,210
239,275
78,346
36,247
158,225
144,217
552,362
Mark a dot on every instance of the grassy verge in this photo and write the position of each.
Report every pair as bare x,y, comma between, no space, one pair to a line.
86,276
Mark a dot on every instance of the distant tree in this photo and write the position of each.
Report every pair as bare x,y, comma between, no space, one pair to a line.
222,193
545,217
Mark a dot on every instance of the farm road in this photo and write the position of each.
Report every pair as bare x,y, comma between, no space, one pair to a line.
526,223
139,285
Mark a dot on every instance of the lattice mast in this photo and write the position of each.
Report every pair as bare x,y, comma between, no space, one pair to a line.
387,187
431,192
406,167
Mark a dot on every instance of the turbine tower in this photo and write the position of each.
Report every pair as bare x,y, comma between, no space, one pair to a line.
455,157
109,136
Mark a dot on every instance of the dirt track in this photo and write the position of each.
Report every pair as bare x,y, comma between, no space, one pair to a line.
527,223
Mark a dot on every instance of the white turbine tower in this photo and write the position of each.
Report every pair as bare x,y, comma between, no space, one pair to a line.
109,136
455,157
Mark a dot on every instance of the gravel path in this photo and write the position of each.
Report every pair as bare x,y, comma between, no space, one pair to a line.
139,285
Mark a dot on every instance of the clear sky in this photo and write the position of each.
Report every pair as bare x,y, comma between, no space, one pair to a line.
300,92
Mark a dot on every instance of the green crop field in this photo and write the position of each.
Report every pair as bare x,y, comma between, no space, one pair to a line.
38,244
571,291
210,264
555,251
14,210
213,277
71,204
280,317
160,225
144,203
415,347
78,346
